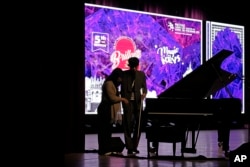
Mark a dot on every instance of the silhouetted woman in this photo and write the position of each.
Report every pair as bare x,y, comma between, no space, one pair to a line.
108,110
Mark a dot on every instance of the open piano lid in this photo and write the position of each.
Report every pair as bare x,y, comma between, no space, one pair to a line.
202,81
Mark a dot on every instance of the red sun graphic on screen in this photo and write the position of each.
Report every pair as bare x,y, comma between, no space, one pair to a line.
124,44
124,49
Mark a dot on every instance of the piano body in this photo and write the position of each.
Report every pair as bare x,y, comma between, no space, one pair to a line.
187,103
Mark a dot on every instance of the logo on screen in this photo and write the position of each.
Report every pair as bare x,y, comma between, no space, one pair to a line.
124,48
169,56
100,41
170,26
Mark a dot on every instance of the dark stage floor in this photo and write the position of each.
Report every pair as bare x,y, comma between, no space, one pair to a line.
208,153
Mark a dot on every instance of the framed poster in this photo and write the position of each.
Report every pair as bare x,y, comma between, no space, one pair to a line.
231,37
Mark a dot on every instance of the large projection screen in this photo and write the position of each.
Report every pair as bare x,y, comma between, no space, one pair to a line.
231,37
168,47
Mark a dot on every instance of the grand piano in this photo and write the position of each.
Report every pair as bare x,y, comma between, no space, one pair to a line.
187,103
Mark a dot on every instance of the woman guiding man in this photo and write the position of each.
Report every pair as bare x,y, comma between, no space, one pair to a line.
108,110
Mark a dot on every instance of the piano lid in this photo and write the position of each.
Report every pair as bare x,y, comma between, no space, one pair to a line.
202,81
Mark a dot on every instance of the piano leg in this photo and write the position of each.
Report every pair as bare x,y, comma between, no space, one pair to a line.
224,135
156,147
193,140
152,149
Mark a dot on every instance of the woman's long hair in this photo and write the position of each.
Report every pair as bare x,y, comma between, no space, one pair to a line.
115,74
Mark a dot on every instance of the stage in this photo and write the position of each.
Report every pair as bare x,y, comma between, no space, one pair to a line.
208,153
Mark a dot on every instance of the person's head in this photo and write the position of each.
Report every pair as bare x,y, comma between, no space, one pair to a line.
116,76
133,62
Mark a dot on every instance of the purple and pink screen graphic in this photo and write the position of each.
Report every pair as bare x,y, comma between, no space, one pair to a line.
227,39
170,47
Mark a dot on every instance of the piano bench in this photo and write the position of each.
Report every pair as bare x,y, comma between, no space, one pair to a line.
166,134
